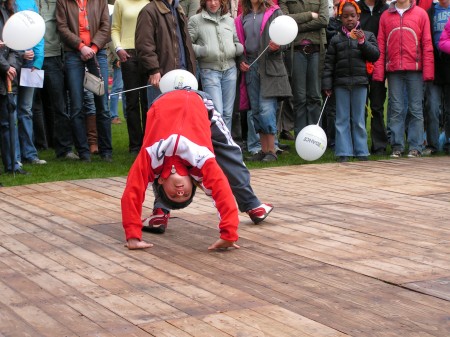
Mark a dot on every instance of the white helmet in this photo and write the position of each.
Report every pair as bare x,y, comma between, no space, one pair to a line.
177,79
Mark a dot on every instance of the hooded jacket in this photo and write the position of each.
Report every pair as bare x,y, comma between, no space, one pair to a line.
405,43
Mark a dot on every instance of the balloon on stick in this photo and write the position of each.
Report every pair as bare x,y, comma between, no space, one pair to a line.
23,30
311,142
177,79
283,30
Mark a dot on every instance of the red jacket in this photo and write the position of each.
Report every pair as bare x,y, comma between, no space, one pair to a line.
178,133
405,43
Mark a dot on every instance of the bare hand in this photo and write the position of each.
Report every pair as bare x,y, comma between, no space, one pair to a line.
154,80
273,46
137,244
221,244
314,15
123,55
87,53
244,66
359,35
11,73
28,55
2,43
328,92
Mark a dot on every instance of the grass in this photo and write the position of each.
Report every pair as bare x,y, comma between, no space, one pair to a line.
61,169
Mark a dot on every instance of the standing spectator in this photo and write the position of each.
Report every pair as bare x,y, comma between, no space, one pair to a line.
266,79
444,46
329,117
163,42
33,59
53,94
116,88
85,30
216,46
123,30
190,7
345,73
438,91
408,64
371,11
309,52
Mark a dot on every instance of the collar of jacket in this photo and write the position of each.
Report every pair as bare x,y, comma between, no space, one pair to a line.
163,8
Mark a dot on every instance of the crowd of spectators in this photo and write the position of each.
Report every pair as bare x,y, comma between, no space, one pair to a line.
357,53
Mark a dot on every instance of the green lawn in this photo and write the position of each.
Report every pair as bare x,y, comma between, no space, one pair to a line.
59,169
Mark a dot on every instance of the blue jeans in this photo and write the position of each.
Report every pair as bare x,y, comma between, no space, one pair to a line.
307,99
117,86
74,67
5,133
433,107
397,113
53,96
253,144
152,94
351,134
25,123
264,109
221,86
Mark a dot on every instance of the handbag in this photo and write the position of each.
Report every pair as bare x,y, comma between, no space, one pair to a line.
93,83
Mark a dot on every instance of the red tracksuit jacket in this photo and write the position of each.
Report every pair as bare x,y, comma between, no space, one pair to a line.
178,133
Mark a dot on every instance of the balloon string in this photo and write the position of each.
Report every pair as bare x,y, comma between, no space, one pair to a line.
121,92
323,108
259,56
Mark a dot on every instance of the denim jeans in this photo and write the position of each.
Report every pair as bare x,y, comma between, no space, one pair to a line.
253,144
306,90
152,94
433,108
351,134
398,121
264,109
117,86
5,133
74,67
53,96
221,86
25,123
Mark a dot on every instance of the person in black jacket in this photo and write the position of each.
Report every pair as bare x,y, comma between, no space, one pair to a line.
345,72
371,11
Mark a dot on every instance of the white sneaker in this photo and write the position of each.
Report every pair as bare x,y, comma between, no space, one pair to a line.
38,161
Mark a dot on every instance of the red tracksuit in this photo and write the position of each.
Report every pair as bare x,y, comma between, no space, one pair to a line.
178,133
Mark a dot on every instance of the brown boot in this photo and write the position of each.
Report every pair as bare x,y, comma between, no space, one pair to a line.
91,127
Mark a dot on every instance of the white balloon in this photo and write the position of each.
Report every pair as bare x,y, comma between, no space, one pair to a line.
283,30
177,79
23,30
311,142
110,9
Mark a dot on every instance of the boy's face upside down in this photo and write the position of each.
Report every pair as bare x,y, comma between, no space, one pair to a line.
178,188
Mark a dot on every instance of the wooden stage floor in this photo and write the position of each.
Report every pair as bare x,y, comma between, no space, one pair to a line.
358,249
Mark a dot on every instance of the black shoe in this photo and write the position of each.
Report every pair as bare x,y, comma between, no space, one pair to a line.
107,158
256,157
283,146
362,158
86,158
20,171
380,152
284,134
342,159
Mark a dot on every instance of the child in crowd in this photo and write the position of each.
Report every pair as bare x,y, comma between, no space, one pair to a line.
266,80
345,72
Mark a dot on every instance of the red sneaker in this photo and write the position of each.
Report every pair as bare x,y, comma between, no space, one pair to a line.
157,222
259,213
